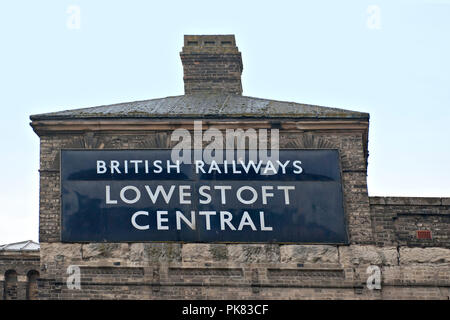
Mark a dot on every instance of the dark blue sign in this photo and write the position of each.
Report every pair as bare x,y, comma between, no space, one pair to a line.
143,195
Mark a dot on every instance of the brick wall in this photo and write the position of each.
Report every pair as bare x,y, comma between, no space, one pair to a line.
18,274
252,271
396,221
410,268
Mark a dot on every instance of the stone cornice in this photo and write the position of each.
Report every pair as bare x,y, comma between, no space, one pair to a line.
46,127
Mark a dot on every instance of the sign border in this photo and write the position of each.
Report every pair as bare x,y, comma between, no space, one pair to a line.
346,226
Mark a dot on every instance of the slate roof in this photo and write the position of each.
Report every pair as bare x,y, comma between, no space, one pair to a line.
28,245
205,105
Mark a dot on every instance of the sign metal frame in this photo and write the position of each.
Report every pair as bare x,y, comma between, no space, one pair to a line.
345,215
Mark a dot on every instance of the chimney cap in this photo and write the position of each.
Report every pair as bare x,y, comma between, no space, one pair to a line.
210,44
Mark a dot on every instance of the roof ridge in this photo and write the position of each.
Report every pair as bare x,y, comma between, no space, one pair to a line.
22,245
205,105
102,105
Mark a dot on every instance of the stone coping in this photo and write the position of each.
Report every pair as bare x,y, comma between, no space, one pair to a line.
421,201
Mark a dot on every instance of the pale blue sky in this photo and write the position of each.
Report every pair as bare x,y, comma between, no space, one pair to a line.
316,52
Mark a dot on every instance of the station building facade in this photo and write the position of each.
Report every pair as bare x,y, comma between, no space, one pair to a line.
19,270
404,242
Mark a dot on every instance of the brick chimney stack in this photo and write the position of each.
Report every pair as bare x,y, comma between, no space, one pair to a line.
211,63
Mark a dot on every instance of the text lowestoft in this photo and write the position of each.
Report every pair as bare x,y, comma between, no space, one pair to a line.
246,195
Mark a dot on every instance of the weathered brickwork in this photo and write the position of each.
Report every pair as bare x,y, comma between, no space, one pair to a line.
197,271
253,271
18,275
211,64
397,220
